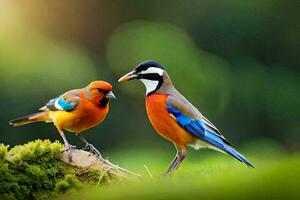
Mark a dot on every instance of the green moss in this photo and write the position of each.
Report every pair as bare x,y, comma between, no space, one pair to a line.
34,171
69,182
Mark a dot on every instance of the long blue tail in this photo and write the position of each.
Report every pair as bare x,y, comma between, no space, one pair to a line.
219,143
206,131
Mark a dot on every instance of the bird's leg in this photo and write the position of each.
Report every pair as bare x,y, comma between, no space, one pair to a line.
171,167
69,148
181,153
181,156
89,147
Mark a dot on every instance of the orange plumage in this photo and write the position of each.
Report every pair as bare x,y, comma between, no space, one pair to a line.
164,123
87,114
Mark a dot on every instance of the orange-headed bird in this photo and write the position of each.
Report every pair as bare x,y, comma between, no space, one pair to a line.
75,111
175,118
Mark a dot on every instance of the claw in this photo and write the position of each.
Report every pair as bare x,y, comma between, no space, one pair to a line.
69,149
90,148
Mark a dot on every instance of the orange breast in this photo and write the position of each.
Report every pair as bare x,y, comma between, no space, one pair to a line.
86,115
164,123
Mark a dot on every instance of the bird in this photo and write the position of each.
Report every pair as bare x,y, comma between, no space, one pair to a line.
175,118
75,111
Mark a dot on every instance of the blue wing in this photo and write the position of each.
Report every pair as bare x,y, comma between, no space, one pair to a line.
59,104
206,132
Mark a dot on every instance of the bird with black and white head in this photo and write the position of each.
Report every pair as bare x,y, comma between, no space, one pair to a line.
150,73
175,118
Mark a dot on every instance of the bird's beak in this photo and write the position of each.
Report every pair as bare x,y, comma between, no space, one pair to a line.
128,77
110,95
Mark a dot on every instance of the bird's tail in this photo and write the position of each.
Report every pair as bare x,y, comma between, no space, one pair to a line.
231,151
225,147
35,117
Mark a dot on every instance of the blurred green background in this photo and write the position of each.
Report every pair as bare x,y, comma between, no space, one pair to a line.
237,61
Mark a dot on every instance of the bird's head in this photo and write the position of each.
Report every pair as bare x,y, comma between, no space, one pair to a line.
100,92
151,73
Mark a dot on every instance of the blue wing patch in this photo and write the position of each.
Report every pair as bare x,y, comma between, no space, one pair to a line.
200,129
60,104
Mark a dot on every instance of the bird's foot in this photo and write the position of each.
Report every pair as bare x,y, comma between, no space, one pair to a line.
90,148
167,174
69,149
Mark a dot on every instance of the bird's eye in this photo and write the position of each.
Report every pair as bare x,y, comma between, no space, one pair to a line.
100,90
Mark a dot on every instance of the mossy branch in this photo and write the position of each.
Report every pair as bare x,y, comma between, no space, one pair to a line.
38,169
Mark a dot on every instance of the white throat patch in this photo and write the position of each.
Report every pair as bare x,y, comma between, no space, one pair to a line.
150,85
